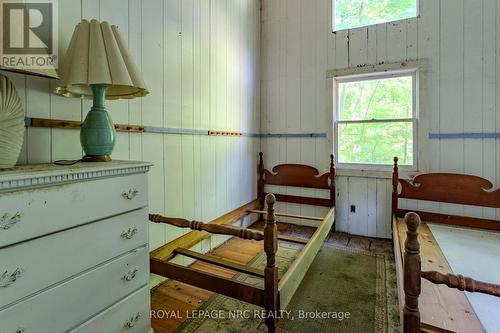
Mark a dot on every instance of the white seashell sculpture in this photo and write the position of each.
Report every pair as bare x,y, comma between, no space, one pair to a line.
11,124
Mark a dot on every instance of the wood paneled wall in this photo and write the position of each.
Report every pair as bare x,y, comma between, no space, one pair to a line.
200,61
460,42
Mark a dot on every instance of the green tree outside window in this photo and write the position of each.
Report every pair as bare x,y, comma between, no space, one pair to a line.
358,13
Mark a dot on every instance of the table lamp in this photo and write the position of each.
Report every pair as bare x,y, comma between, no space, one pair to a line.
97,65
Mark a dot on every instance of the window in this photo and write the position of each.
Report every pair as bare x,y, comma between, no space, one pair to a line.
350,14
376,119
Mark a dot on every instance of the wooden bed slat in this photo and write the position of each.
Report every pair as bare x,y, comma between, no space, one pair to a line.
221,285
314,218
303,200
292,239
294,275
219,262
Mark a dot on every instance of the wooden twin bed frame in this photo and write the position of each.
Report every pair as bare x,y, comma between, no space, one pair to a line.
442,309
276,293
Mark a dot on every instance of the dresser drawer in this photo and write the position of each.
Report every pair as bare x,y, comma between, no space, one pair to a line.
77,300
32,213
130,315
32,266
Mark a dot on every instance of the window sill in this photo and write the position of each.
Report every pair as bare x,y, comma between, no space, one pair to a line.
392,21
373,173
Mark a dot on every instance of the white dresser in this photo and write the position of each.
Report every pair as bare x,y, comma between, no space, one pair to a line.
74,248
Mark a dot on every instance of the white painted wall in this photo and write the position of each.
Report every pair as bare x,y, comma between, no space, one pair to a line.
200,61
459,39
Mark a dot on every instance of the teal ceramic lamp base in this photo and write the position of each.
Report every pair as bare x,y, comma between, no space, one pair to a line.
98,133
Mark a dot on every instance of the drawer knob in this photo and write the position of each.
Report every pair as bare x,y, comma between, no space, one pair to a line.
133,320
129,233
7,221
6,279
130,275
130,194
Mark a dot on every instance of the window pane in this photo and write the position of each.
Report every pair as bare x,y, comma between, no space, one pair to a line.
390,98
376,143
358,13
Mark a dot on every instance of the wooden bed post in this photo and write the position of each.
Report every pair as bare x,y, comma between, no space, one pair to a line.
332,186
271,271
260,184
332,181
395,180
412,282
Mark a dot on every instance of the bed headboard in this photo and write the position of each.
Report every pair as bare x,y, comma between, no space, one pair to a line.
448,188
297,175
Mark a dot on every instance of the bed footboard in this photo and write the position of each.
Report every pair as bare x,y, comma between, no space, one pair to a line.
208,227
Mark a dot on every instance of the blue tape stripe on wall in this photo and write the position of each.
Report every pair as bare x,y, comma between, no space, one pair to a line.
293,135
464,135
185,131
182,131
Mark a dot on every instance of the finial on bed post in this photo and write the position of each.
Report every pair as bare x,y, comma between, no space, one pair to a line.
395,180
260,184
271,271
332,180
412,269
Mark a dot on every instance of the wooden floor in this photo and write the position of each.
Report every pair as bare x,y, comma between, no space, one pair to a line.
172,300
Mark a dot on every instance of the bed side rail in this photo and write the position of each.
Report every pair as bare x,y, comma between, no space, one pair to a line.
296,272
413,275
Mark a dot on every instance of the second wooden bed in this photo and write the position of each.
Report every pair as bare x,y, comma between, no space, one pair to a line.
430,292
276,293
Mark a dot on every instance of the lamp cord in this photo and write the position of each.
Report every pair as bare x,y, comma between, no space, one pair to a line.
67,162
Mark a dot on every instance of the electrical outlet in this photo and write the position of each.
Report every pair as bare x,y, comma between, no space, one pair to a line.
353,209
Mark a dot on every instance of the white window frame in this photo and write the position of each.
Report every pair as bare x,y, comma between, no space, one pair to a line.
334,29
413,120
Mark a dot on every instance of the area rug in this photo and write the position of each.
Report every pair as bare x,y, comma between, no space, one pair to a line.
344,290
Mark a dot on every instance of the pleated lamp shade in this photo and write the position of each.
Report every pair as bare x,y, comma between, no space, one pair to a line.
97,54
